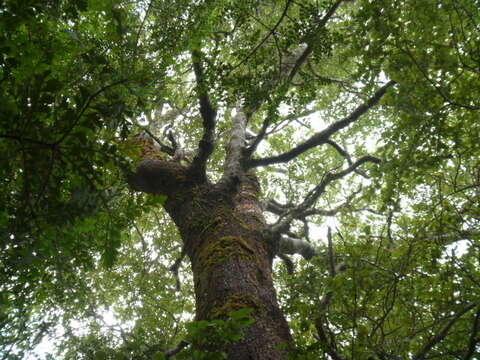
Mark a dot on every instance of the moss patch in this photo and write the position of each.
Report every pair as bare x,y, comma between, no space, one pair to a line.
236,302
223,248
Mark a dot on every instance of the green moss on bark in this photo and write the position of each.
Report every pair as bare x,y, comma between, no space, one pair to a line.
234,303
222,249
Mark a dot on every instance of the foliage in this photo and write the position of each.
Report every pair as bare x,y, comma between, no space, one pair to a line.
78,78
207,337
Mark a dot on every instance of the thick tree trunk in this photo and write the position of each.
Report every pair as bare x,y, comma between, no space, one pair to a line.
231,263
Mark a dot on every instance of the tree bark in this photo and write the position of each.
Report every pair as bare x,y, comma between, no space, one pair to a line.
223,235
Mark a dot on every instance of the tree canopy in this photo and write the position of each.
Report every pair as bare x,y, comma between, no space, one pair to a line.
363,129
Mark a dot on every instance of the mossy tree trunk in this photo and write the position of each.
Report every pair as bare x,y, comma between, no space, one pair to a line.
223,235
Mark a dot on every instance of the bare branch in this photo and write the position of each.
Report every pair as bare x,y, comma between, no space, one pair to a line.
273,206
290,245
331,255
443,333
323,136
346,155
209,113
283,223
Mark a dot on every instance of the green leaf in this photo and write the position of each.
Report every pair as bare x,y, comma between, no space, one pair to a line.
158,356
240,314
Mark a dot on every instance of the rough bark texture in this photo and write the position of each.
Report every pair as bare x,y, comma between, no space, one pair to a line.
231,263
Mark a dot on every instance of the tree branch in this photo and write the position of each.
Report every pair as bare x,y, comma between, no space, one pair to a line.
311,42
21,139
285,67
273,206
331,254
270,33
335,210
474,337
288,245
85,106
442,334
283,223
176,265
292,65
328,344
345,154
233,167
288,263
208,113
323,136
163,147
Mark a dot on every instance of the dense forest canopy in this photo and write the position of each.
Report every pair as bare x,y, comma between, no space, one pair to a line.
358,121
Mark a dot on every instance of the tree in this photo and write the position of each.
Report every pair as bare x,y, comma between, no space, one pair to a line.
248,123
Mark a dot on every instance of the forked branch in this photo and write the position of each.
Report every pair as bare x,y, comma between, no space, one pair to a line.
297,212
292,65
323,136
273,206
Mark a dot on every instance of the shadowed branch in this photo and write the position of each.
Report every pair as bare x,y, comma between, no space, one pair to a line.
209,114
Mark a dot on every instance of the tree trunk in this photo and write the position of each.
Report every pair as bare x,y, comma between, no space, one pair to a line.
231,262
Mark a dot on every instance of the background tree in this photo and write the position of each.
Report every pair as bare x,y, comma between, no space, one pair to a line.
136,134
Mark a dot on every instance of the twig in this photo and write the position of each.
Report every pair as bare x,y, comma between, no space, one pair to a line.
270,33
85,106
